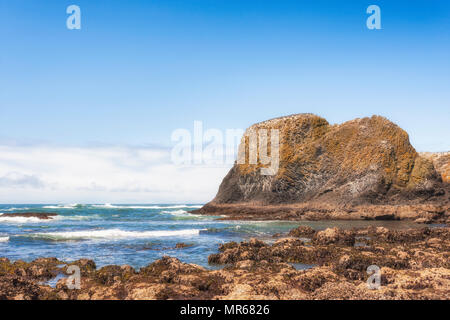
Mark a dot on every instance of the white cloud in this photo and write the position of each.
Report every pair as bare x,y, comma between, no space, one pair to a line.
49,174
19,180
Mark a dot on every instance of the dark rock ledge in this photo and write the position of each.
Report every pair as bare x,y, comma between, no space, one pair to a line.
39,215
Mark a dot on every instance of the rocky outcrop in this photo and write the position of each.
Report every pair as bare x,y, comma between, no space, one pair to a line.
334,236
302,231
421,213
20,280
39,215
414,264
328,168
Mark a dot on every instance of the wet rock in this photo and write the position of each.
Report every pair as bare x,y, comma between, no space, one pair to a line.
169,265
400,236
245,264
87,266
314,279
13,287
424,220
39,269
302,231
44,268
39,215
228,245
182,245
108,275
127,269
277,235
434,242
334,236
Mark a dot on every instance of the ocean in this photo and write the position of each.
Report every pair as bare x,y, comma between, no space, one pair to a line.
136,234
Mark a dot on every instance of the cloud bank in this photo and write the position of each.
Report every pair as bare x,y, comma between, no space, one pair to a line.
54,174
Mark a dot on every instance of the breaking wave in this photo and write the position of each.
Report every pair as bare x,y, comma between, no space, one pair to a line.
111,206
21,220
176,212
16,209
184,215
24,220
112,234
64,206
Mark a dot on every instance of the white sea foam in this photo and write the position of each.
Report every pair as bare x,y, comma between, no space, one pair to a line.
176,212
111,206
112,234
16,209
64,206
185,215
24,220
106,205
4,239
76,218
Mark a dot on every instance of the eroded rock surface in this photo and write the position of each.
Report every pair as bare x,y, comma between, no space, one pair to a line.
441,161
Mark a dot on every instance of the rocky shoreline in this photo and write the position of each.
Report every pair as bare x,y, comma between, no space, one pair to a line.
420,213
304,264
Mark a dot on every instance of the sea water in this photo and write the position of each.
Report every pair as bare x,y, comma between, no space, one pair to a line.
136,234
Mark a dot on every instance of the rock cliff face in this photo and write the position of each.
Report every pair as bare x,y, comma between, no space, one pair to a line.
359,162
441,161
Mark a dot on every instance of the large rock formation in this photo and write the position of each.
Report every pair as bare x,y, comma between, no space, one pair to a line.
360,162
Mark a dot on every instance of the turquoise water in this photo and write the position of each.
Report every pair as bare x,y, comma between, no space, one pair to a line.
135,234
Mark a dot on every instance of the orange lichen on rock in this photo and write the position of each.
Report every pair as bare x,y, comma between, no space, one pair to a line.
296,132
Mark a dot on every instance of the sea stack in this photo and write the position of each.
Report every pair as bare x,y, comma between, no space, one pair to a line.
332,171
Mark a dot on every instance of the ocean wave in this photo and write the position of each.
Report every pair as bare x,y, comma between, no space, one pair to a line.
185,215
64,206
77,217
24,220
111,206
15,209
112,234
4,239
175,212
106,205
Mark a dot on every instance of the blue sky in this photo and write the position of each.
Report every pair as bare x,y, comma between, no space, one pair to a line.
137,70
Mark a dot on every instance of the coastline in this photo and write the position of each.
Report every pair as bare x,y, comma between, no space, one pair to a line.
414,264
420,213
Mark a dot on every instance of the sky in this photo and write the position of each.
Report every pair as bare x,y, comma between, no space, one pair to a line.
87,115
